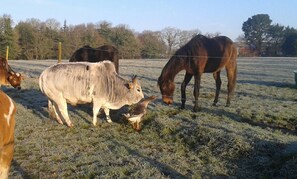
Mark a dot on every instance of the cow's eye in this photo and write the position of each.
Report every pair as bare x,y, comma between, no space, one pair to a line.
138,89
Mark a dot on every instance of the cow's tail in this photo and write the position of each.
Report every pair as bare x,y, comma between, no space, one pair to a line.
41,82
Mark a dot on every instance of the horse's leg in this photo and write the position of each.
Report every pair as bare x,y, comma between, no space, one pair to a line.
231,69
196,91
184,84
217,77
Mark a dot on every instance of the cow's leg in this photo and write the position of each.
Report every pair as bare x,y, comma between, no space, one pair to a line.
217,77
52,107
196,91
184,84
106,111
96,108
61,108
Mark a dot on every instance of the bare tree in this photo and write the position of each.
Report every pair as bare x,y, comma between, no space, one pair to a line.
186,35
170,36
210,35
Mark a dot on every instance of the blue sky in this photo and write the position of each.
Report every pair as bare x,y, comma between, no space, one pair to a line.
208,16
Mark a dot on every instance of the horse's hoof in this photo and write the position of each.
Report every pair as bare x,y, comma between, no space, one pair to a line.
196,109
215,104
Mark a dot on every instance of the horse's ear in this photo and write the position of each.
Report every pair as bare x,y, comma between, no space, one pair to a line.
158,82
22,77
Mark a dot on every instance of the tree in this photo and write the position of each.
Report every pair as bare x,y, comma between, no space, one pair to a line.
105,30
289,47
151,45
27,40
170,36
124,39
256,31
7,37
275,39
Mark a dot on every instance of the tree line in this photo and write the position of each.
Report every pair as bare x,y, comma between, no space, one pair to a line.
36,39
266,39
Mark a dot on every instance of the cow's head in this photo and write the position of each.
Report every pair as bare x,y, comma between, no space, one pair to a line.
135,91
15,79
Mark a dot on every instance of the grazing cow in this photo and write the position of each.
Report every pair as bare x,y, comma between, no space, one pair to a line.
8,76
83,82
7,123
89,54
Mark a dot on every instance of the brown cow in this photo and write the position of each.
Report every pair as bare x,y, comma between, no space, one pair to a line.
7,124
8,76
89,54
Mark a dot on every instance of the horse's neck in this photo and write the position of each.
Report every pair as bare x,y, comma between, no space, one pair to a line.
173,67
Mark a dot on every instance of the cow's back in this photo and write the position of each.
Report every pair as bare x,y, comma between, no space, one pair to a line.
76,81
7,124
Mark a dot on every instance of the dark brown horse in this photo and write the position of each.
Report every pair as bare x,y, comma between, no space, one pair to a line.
89,54
200,55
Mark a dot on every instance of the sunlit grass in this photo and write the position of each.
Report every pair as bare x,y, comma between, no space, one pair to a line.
249,139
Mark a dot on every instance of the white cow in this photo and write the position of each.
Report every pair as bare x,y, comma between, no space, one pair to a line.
83,82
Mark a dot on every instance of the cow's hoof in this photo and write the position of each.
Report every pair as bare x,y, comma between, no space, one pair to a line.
109,120
70,125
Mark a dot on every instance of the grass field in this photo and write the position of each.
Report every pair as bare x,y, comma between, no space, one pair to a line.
254,138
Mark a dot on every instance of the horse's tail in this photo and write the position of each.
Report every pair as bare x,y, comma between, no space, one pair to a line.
231,69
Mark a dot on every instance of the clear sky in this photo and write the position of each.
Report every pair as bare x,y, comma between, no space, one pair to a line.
208,16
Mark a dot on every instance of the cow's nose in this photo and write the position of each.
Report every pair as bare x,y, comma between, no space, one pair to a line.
18,88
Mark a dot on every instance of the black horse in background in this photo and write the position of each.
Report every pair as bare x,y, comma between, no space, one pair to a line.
89,54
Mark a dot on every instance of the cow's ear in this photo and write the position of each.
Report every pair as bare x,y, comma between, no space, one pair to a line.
134,79
129,85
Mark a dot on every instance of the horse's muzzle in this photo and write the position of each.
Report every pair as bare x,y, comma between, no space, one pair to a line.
167,100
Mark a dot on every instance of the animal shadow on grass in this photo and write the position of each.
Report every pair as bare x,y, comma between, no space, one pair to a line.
268,83
32,99
16,167
278,163
163,168
115,115
238,118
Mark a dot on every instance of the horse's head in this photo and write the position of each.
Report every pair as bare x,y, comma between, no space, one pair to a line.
167,87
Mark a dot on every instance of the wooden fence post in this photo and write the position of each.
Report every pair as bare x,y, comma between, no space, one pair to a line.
60,52
7,51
